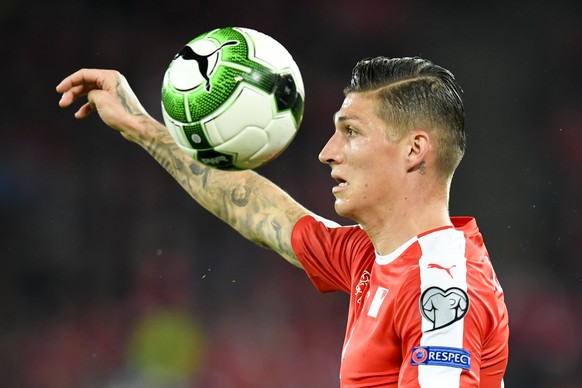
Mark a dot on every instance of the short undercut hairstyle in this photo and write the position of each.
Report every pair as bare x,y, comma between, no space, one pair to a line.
414,93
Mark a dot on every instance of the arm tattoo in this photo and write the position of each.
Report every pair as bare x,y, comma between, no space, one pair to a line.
252,205
197,169
126,100
240,196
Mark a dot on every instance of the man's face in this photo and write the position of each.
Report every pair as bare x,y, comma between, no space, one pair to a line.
364,162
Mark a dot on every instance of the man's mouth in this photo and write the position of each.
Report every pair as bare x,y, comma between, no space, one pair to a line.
341,183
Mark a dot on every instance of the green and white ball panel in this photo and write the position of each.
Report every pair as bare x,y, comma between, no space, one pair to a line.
233,98
252,138
175,130
233,116
273,54
265,146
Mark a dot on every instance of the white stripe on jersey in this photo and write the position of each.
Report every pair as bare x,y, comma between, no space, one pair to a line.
325,221
389,258
442,265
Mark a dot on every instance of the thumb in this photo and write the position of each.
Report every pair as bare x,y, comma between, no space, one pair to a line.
94,98
107,105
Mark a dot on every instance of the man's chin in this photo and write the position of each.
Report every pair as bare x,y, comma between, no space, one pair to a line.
342,209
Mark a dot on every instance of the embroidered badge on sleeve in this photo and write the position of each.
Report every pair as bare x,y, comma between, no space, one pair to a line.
441,356
443,307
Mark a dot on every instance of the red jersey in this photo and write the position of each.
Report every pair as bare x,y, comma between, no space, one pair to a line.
430,314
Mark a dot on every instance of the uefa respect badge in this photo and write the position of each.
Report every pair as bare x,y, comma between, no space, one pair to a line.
441,356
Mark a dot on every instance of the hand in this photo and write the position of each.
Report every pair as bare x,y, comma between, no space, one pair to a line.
110,95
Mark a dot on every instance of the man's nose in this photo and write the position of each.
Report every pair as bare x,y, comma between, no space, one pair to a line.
330,152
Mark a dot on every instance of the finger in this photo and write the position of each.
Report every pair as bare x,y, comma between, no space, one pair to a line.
93,98
69,96
80,77
67,99
73,87
74,79
95,78
79,84
85,110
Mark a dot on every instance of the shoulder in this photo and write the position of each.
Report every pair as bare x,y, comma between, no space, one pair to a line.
332,255
312,228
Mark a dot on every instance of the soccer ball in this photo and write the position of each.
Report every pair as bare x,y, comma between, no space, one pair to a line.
233,98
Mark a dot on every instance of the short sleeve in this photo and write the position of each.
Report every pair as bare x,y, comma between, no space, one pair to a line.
328,251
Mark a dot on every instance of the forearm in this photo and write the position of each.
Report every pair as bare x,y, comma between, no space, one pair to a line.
251,204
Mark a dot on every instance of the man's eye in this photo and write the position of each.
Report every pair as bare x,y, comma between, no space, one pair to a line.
350,131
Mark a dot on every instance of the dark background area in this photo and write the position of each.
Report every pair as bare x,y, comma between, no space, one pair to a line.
111,276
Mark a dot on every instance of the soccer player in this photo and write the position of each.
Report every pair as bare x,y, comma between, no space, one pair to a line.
426,308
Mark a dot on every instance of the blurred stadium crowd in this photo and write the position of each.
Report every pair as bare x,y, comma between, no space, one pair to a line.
112,277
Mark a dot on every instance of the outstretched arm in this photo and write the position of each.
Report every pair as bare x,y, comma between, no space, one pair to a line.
251,204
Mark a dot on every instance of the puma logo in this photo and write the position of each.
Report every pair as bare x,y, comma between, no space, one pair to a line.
187,53
437,266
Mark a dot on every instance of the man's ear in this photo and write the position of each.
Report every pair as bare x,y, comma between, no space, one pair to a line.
419,145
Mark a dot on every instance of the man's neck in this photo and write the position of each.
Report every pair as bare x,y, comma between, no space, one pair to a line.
390,229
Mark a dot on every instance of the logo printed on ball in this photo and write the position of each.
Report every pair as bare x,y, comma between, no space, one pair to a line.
188,53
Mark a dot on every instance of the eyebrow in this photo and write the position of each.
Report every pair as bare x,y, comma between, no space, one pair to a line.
340,118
